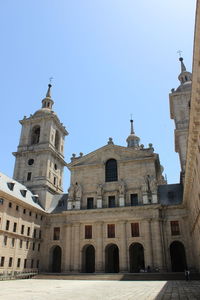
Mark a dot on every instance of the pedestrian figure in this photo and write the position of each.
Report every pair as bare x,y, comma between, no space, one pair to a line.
187,275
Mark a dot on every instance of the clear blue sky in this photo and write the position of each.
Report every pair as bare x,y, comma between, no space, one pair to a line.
109,58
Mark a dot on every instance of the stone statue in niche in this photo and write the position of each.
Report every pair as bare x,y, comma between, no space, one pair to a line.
78,191
99,190
121,188
153,184
71,192
145,184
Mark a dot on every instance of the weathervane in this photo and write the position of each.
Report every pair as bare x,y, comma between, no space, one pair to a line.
50,80
179,52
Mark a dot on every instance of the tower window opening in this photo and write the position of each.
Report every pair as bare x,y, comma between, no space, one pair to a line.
30,161
48,104
57,140
29,176
35,136
111,170
54,180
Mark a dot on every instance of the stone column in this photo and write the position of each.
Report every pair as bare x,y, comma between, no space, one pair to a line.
148,244
99,247
157,244
76,247
123,264
67,242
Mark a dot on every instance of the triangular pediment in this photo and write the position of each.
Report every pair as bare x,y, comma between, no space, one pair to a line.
106,152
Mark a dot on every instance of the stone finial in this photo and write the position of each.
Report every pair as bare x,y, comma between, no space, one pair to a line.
81,154
110,141
48,94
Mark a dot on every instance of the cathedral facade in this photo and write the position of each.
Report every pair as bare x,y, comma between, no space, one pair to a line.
119,214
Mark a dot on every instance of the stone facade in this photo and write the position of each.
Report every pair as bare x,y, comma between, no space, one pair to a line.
192,175
119,214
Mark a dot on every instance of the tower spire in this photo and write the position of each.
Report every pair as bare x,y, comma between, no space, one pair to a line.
47,102
183,68
48,94
132,130
132,140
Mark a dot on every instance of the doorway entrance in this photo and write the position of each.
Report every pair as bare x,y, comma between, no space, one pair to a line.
56,259
136,257
178,257
112,259
88,259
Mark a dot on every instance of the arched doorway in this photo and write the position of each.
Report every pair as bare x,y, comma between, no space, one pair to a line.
88,259
112,259
178,257
56,259
136,257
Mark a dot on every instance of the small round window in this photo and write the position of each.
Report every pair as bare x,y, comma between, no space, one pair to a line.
55,167
30,161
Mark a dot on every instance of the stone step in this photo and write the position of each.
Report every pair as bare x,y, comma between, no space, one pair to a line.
118,276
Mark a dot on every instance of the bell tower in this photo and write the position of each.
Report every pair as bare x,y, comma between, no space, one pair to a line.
39,160
179,111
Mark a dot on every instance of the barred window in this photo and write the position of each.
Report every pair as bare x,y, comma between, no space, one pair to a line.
90,203
111,230
111,170
135,229
111,201
88,232
175,230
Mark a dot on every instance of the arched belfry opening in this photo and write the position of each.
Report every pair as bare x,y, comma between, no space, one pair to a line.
111,170
111,258
56,258
57,140
178,257
136,257
88,259
35,135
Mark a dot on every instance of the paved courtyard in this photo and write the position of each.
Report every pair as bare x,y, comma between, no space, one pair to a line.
36,289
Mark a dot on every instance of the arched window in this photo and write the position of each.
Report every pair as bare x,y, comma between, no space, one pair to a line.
35,136
57,140
111,170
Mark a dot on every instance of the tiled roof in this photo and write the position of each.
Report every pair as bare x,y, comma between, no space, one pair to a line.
18,190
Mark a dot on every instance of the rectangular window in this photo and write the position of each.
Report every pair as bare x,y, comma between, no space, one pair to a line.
34,233
1,201
14,227
22,229
5,240
111,201
10,204
13,242
56,233
134,199
38,247
29,176
24,211
7,224
90,203
2,261
10,262
18,262
17,207
111,230
30,213
28,231
36,216
88,232
25,262
33,248
20,243
135,229
27,244
175,230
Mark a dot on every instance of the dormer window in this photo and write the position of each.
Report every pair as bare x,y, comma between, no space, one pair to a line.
23,192
11,185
